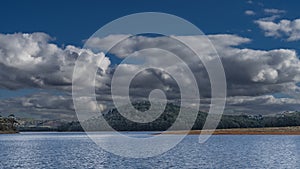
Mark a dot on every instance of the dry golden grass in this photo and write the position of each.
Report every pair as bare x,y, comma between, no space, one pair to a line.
8,132
245,131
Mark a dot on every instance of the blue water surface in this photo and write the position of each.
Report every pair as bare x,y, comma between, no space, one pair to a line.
76,150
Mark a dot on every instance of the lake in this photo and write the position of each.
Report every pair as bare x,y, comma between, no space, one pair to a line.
76,150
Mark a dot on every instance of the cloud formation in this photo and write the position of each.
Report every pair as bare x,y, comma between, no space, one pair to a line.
256,72
32,61
42,105
249,12
274,11
266,104
289,29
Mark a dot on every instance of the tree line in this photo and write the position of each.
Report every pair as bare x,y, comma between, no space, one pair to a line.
8,124
168,117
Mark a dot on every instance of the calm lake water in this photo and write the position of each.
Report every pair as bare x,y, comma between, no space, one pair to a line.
76,150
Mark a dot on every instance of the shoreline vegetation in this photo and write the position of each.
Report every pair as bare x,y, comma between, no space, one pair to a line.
293,130
281,123
8,125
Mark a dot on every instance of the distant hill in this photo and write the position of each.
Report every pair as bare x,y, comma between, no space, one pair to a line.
162,123
168,117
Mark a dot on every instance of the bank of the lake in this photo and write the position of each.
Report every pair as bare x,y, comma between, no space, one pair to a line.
295,130
8,132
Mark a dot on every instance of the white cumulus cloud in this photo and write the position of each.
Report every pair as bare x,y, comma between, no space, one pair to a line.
289,29
32,61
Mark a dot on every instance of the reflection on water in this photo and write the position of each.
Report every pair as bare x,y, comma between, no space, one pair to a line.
76,150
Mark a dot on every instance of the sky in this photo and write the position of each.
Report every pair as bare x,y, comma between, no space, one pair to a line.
40,41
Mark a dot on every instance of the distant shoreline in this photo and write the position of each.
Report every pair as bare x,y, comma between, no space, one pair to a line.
8,132
295,130
244,131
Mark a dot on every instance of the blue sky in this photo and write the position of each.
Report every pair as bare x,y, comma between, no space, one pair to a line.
72,22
